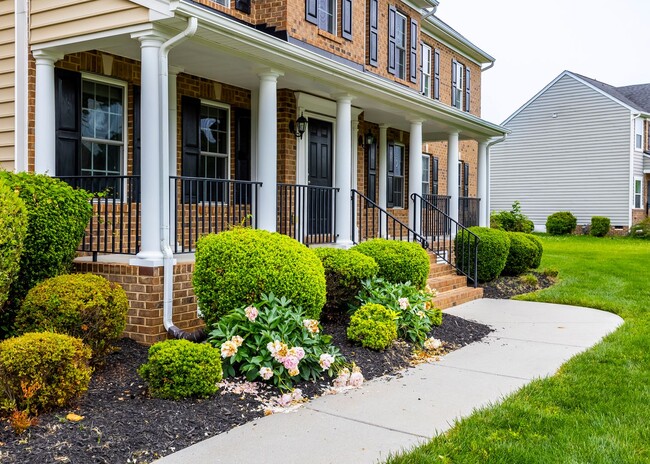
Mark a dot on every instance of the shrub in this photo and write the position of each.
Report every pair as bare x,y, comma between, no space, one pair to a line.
599,226
529,279
561,223
43,371
550,272
179,369
273,340
374,326
86,306
540,250
521,254
414,307
641,230
512,221
57,218
492,252
235,268
344,272
13,229
398,261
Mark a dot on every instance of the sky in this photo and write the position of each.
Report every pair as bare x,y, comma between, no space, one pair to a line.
533,42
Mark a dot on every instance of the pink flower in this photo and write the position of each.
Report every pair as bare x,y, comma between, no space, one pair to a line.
311,325
298,352
228,349
290,362
356,378
251,313
343,377
237,340
326,361
266,373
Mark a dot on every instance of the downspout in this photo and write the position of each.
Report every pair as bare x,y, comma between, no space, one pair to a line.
429,13
485,69
168,255
631,182
487,162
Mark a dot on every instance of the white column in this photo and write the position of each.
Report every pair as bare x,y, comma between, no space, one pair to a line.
383,171
173,147
452,174
484,213
21,134
267,149
44,128
150,181
255,106
355,154
415,171
343,163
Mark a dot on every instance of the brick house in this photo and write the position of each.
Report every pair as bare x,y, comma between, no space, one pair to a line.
327,120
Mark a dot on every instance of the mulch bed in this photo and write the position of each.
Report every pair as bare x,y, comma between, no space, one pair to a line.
505,287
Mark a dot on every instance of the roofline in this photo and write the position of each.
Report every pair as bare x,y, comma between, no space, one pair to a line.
454,38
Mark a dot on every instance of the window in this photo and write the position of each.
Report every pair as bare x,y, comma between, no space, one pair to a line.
638,134
426,174
327,15
638,190
434,176
400,45
214,130
102,128
372,172
395,181
463,179
225,3
425,76
458,71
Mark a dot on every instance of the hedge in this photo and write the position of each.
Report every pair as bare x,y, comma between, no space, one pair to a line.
491,256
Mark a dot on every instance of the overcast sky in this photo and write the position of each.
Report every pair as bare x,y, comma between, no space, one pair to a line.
533,42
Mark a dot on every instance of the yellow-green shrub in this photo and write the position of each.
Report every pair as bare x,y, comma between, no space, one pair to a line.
86,306
13,229
54,367
374,326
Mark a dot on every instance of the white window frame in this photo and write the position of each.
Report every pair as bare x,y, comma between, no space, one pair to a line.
400,47
460,87
323,12
638,134
402,176
226,156
87,77
425,69
637,194
224,3
426,160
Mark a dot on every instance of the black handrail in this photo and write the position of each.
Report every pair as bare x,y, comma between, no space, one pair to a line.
375,222
307,213
468,211
442,232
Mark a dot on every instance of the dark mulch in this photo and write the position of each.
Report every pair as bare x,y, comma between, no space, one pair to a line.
122,424
506,287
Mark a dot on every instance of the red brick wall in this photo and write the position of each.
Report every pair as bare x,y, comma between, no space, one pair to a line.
468,151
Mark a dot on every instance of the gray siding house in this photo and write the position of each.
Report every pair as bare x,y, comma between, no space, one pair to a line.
579,145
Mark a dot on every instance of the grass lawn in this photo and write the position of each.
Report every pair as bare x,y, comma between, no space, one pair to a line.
597,408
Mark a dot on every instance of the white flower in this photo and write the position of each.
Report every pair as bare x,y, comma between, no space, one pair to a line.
356,378
343,377
404,303
228,349
420,314
326,361
294,372
432,344
266,373
311,325
278,349
251,313
237,340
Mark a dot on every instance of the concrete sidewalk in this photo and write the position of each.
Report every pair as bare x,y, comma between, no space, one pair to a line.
387,415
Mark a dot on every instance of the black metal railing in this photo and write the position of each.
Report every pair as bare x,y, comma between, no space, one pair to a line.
307,213
203,206
439,201
369,221
115,224
468,211
448,239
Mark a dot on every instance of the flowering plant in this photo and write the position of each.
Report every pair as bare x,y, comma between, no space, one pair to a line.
416,312
272,340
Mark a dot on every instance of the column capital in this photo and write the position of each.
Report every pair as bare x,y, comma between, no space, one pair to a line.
343,97
417,122
175,70
45,56
150,37
270,74
383,126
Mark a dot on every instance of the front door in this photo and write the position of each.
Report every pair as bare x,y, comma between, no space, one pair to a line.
319,200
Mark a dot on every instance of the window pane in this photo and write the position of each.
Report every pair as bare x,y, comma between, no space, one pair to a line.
86,160
113,162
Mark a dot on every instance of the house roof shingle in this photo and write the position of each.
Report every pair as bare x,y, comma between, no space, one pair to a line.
635,96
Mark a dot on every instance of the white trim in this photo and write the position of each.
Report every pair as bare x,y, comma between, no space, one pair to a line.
403,176
78,39
227,107
451,47
21,91
405,46
423,46
436,28
634,193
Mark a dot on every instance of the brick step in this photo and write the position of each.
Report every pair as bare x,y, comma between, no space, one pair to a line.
452,298
448,282
439,270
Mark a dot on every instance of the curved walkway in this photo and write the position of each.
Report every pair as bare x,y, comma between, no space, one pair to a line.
530,340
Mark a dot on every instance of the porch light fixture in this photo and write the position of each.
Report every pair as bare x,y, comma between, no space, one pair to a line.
370,139
299,127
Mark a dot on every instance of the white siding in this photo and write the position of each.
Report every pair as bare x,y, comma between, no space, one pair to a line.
578,161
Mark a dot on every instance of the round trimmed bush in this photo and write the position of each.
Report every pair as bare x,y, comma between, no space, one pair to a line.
374,326
13,229
641,230
599,226
54,367
180,369
236,267
540,250
86,306
344,272
399,262
57,218
521,255
492,252
561,223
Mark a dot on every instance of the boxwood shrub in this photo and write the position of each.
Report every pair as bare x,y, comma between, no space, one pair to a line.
599,226
57,218
344,272
540,250
374,326
398,261
13,229
641,230
521,255
236,267
54,367
492,252
86,306
181,369
561,223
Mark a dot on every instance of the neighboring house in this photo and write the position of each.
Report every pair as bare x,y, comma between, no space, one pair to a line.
579,145
291,116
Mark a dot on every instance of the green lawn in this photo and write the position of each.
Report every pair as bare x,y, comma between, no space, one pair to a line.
597,408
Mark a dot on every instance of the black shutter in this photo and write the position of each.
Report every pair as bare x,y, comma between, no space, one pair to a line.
372,172
311,11
191,120
436,74
243,154
373,31
434,190
243,5
390,187
67,120
467,89
413,55
466,179
346,19
392,69
454,81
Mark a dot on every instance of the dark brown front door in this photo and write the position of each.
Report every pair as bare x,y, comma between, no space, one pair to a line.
319,200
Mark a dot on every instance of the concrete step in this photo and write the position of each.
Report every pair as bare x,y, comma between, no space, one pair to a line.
447,282
457,296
